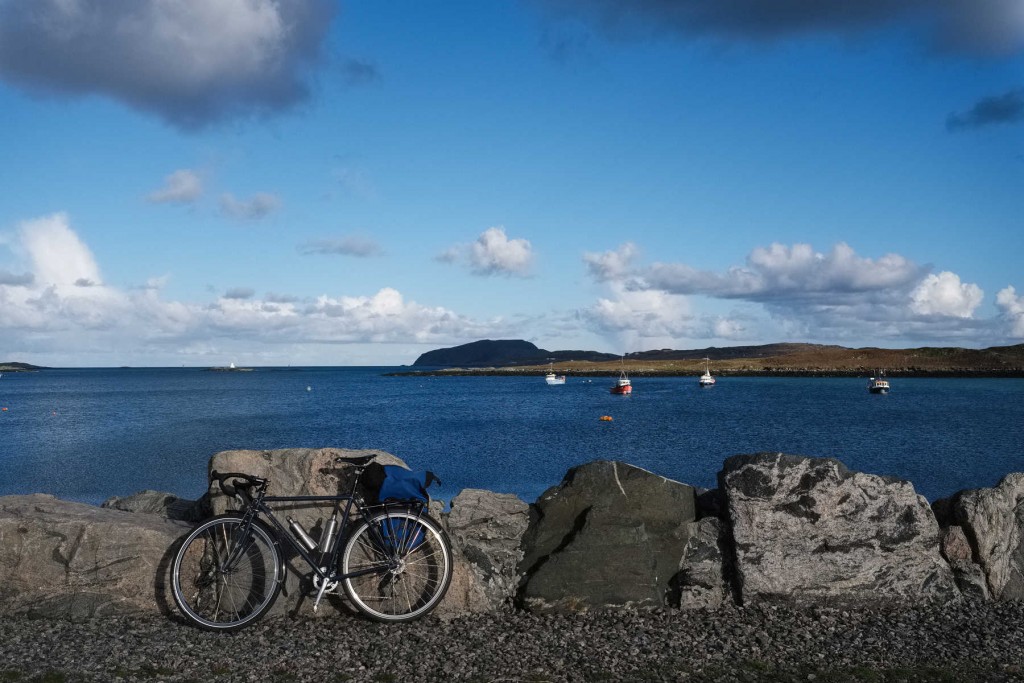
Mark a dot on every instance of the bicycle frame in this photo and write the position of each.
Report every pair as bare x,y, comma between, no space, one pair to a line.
325,568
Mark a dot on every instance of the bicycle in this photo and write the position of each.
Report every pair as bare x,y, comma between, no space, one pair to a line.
393,561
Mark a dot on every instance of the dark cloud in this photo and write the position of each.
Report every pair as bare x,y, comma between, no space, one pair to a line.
345,246
1005,108
240,293
260,205
359,72
275,298
564,46
13,280
191,62
980,26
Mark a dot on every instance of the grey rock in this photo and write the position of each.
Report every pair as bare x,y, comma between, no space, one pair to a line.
59,558
701,582
610,535
810,530
970,577
992,520
164,504
487,529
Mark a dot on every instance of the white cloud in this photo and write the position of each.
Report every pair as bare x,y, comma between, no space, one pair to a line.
1011,307
494,253
260,205
58,256
637,319
650,314
789,272
191,62
64,307
611,265
181,187
833,297
945,295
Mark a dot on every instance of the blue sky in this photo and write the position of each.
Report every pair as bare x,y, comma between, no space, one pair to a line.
303,182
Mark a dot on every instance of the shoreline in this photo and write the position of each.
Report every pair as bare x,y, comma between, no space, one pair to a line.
950,373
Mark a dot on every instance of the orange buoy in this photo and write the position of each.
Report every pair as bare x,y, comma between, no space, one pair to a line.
606,418
3,409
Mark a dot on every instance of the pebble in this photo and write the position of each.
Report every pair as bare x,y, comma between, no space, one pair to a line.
915,644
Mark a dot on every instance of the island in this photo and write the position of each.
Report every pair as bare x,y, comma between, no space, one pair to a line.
519,357
19,367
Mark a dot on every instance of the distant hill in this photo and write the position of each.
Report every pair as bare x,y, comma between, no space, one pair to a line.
18,367
505,352
502,352
733,352
522,356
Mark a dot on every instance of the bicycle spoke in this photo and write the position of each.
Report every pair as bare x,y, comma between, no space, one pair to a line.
418,567
230,569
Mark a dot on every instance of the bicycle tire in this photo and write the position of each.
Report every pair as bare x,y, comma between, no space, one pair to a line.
226,598
420,568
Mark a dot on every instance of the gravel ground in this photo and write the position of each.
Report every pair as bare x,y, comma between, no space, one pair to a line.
962,642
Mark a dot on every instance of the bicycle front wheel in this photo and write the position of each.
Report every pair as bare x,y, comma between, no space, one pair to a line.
403,563
226,574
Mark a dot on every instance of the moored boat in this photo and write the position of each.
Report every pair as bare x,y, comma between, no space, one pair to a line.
706,380
622,385
552,378
878,385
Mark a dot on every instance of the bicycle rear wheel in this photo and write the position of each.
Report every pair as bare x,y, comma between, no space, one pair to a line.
408,563
225,576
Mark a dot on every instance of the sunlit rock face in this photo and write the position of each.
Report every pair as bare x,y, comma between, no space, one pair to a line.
993,522
810,530
70,560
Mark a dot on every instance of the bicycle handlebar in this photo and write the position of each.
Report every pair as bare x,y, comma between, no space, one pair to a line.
248,481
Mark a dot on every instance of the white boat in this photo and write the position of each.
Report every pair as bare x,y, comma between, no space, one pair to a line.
878,385
706,380
552,378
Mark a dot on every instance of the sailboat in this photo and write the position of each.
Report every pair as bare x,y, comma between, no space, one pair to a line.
706,380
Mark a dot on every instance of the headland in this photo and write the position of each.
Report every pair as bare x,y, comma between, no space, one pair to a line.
517,357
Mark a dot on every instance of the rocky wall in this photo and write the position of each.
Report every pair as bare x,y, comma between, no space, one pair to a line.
780,528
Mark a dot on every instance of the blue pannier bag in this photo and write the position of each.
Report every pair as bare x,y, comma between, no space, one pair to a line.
402,484
391,483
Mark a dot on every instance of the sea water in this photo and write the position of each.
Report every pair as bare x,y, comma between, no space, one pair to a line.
88,434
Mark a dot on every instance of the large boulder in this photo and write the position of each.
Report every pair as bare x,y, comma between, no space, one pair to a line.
486,530
993,522
610,535
65,559
159,503
810,530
